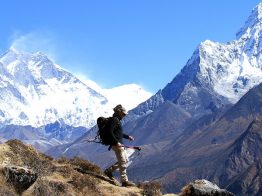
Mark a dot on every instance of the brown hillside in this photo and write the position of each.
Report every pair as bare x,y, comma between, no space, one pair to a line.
25,171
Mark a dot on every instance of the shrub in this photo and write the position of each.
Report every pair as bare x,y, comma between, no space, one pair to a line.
150,188
80,180
39,162
50,187
82,164
4,190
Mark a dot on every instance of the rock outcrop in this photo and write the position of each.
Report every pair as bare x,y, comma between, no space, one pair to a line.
19,177
204,188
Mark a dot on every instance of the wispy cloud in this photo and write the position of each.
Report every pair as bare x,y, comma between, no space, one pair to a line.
35,41
48,43
92,84
129,95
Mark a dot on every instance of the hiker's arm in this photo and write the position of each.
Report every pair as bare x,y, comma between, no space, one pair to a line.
129,137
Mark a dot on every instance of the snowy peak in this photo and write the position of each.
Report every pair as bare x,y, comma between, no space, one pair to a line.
216,74
20,64
253,23
258,10
10,55
230,69
35,91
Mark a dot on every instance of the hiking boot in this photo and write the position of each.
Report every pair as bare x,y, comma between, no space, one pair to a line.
128,183
109,174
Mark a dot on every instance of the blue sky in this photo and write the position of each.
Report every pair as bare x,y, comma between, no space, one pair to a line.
115,42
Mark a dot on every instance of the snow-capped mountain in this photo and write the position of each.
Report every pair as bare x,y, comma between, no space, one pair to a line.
129,95
35,91
217,73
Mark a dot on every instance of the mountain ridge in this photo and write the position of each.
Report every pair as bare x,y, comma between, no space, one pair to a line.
216,152
221,72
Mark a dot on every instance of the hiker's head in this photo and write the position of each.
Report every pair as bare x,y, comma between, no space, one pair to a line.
120,111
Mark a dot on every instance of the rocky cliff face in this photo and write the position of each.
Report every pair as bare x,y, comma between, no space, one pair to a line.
243,166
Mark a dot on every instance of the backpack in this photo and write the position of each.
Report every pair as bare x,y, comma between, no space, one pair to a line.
103,132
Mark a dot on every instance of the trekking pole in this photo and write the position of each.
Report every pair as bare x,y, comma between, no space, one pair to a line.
83,141
132,147
127,146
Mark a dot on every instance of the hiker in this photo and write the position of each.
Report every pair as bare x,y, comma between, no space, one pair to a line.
117,135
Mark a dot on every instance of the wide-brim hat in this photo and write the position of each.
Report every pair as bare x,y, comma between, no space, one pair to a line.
120,108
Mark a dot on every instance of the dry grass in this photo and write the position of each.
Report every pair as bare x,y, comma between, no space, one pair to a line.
40,163
50,187
187,190
151,188
65,181
64,176
5,189
77,169
85,183
82,164
112,190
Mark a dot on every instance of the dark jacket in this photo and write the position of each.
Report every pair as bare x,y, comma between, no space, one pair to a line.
116,131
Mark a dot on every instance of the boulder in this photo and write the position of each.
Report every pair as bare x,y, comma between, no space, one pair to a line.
204,188
19,177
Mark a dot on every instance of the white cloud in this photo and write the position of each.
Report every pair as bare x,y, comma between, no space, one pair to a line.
89,83
129,95
35,41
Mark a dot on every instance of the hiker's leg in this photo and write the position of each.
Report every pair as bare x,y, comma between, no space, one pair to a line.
122,162
113,167
109,171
